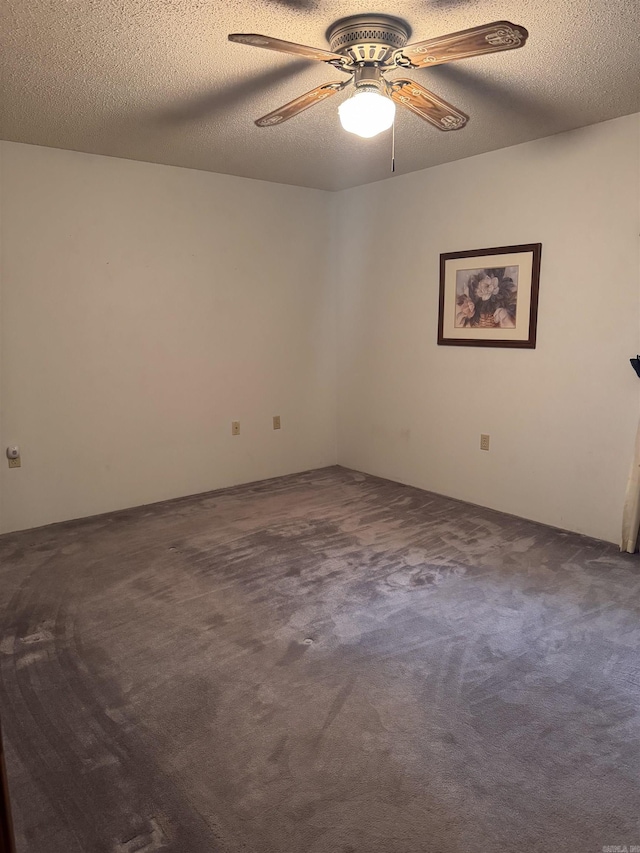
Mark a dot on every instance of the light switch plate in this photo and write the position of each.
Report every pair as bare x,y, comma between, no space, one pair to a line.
15,463
235,427
276,421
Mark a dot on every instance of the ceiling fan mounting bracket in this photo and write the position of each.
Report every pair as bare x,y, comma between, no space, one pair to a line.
368,39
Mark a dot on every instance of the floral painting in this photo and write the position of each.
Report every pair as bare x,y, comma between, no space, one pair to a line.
489,297
486,298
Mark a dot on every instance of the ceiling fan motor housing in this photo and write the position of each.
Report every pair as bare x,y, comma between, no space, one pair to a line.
368,39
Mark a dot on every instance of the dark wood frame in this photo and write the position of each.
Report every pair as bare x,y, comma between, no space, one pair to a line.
536,250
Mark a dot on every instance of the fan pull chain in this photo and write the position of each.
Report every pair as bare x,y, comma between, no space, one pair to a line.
393,147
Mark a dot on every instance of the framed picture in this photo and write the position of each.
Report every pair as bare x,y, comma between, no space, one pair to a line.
489,297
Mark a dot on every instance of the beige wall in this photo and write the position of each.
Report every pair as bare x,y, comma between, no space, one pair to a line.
144,307
562,417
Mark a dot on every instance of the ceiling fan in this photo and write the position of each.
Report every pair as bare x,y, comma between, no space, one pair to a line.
366,47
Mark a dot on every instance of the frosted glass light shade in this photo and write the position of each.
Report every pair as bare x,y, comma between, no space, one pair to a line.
367,113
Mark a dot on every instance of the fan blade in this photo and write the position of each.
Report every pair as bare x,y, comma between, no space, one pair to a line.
256,40
428,106
489,38
300,104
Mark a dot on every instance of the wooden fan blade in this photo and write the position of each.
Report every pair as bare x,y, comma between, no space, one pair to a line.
489,38
300,104
428,106
256,40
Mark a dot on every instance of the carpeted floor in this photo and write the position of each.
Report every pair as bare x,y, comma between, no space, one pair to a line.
322,663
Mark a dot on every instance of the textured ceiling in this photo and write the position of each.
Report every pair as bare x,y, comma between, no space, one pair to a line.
157,80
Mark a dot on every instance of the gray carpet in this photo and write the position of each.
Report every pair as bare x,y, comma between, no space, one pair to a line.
322,663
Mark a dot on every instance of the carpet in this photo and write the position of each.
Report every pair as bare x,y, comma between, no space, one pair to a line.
326,662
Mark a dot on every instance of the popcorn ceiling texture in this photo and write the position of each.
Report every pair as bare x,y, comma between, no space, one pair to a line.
159,82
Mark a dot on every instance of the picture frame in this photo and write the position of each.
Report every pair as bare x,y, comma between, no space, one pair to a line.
489,297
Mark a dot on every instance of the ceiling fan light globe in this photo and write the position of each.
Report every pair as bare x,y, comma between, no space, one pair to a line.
367,113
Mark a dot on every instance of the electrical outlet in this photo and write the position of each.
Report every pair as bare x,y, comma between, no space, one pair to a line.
276,421
15,463
484,442
235,427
